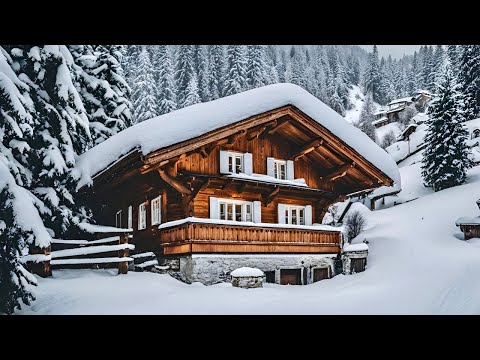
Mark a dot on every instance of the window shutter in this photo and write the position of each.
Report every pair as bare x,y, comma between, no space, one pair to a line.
160,209
214,208
290,170
308,215
247,164
270,166
224,162
130,213
257,212
281,213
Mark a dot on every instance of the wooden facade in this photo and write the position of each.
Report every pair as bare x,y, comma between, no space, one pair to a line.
187,174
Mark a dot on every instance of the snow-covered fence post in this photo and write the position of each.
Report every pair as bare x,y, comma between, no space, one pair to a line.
42,266
123,253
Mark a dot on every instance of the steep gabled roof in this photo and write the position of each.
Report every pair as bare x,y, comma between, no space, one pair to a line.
193,121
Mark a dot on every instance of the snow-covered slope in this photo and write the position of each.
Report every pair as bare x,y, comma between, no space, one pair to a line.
198,119
417,264
356,99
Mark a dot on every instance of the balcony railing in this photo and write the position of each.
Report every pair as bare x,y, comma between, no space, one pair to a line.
197,237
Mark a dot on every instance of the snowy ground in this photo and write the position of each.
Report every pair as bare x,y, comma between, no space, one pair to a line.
418,264
382,130
356,99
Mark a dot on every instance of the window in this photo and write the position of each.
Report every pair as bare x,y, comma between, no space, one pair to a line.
295,215
156,211
235,163
280,169
118,219
130,216
235,210
142,216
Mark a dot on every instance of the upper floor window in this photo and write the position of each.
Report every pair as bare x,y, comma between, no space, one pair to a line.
142,216
118,219
294,214
156,211
130,217
280,169
235,210
232,162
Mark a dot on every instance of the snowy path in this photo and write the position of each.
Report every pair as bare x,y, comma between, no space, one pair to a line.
417,265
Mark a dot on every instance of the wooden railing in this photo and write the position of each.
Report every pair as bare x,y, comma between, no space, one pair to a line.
204,237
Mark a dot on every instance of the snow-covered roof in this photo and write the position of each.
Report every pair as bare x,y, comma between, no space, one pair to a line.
472,125
300,182
355,247
426,92
380,112
466,220
420,117
246,272
375,122
409,127
405,99
196,120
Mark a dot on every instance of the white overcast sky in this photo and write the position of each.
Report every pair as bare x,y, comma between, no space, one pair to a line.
397,51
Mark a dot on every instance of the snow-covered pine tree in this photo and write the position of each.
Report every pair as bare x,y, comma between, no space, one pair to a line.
469,80
203,73
438,61
129,63
191,93
412,84
145,90
446,156
256,66
281,66
429,74
296,70
166,101
216,62
235,74
184,73
452,54
372,77
366,118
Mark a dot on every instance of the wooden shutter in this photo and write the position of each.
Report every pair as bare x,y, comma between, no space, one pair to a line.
270,166
308,215
142,216
257,212
214,208
290,170
247,164
281,213
130,217
224,162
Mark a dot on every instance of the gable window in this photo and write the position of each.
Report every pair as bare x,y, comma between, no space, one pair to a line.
130,217
280,169
235,210
142,216
235,162
156,211
294,214
118,219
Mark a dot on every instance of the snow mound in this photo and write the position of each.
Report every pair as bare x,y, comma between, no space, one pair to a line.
355,247
196,120
246,272
466,220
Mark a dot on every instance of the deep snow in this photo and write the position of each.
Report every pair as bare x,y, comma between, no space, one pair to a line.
418,263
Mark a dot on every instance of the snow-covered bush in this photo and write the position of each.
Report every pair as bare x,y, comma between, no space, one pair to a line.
388,139
354,224
406,115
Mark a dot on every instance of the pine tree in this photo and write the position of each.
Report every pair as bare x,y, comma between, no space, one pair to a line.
469,80
296,74
216,61
184,73
256,66
191,93
452,54
439,59
366,118
129,63
203,74
145,90
235,75
373,76
446,156
165,85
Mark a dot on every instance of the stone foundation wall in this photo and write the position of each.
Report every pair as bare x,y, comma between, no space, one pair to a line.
247,281
346,259
211,269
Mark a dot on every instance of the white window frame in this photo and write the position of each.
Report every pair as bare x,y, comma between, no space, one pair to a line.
156,215
119,212
288,214
130,217
243,204
142,216
276,169
234,156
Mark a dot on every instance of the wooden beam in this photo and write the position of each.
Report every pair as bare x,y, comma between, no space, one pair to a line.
256,133
233,138
227,184
278,126
307,149
177,185
271,196
338,173
199,188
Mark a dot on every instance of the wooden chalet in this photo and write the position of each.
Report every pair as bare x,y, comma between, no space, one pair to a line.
251,192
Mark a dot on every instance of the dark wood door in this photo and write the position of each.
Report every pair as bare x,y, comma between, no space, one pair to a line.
320,274
290,277
358,265
270,277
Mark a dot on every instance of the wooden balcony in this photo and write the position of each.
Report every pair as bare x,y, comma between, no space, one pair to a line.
197,237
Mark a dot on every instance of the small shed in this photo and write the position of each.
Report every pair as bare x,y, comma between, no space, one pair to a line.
247,277
470,226
354,258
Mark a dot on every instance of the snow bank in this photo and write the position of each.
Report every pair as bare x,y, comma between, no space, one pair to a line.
198,119
89,261
91,228
247,223
90,250
355,247
246,272
24,209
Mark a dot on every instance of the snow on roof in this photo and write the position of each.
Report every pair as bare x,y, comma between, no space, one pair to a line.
300,182
405,99
379,112
196,120
355,247
423,92
409,126
466,220
379,121
246,271
472,125
92,228
420,117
